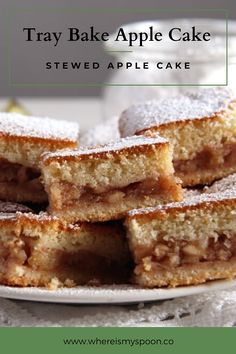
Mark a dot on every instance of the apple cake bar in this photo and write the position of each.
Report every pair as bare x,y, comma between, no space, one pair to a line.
22,140
200,126
39,250
103,183
184,243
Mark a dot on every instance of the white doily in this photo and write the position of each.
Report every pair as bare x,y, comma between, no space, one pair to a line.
214,309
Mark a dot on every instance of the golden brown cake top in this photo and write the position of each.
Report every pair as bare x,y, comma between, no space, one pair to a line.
202,201
29,219
14,213
205,103
16,125
130,145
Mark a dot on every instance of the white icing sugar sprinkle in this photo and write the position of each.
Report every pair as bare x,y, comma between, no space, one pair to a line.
101,134
6,216
229,194
14,124
189,193
9,207
42,216
222,185
39,218
204,103
118,145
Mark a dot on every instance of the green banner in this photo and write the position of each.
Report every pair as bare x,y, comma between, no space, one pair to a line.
117,340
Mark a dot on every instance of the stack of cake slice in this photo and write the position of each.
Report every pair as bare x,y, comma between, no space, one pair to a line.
104,183
200,126
60,247
22,141
41,250
184,243
118,212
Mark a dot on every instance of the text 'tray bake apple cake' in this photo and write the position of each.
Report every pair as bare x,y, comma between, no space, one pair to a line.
39,250
184,243
22,140
104,183
201,127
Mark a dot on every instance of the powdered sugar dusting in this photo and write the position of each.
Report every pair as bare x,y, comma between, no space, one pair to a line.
101,134
42,216
189,193
118,145
227,183
204,103
7,216
14,124
17,211
9,207
229,194
9,210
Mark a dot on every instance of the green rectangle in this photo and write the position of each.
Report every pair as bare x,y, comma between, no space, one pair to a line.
118,340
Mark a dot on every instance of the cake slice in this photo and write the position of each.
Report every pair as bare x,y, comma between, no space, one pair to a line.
39,250
200,126
104,183
22,140
184,243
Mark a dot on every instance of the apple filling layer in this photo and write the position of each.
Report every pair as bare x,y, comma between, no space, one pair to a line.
23,260
20,184
169,255
64,194
208,160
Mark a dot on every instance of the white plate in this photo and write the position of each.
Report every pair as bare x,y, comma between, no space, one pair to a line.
109,294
